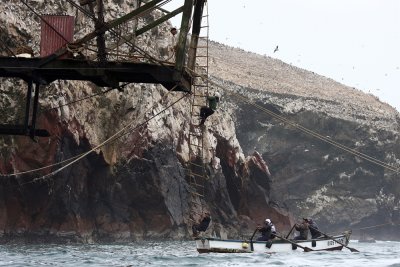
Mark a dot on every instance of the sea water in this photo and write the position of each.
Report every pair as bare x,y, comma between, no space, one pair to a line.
183,253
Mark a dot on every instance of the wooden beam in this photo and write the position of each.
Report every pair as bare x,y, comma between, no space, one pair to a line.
112,24
159,21
100,40
197,18
159,8
142,30
85,2
181,46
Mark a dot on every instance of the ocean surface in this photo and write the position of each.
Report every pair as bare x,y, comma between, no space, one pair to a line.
183,253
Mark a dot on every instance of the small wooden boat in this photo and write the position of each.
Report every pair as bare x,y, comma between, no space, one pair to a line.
206,245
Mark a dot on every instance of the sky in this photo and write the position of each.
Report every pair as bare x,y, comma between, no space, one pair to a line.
355,42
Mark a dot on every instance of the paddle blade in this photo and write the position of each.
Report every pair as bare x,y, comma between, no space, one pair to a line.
306,249
353,249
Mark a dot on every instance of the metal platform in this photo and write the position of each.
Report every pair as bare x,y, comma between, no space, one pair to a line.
109,74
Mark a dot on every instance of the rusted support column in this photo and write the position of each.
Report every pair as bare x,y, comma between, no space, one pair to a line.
197,18
100,40
181,46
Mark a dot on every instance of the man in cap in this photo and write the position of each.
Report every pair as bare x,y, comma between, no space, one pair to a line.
315,233
206,111
172,44
303,230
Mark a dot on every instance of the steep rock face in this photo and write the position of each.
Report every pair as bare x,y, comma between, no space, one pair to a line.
310,177
114,169
136,186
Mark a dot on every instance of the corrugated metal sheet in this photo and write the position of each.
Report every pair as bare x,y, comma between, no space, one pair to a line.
53,39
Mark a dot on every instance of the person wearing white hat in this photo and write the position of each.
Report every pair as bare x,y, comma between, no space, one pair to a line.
268,231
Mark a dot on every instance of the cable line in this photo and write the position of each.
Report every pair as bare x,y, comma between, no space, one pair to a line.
109,140
128,41
84,98
45,21
308,131
114,137
376,226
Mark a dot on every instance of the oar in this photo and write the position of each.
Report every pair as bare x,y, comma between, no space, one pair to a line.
251,240
334,239
306,249
290,231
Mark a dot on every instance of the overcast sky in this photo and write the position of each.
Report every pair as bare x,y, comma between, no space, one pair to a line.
355,42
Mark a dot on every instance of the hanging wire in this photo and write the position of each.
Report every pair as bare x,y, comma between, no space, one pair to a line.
45,21
85,98
376,226
129,42
304,129
113,138
125,130
4,44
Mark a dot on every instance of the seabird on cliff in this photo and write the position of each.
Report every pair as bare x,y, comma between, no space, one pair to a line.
276,49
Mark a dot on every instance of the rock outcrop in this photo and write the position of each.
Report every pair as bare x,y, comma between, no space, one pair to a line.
311,177
133,184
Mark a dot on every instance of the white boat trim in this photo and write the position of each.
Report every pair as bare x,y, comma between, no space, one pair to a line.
206,245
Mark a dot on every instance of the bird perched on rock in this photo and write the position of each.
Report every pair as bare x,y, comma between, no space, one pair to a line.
276,49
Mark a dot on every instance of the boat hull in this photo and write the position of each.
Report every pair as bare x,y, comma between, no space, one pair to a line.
207,245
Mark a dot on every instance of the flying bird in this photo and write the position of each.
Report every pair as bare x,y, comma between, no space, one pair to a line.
276,49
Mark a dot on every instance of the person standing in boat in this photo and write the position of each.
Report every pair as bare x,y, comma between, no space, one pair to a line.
202,225
312,225
267,231
303,230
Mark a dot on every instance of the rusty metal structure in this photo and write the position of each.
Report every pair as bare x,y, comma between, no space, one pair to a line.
58,35
63,58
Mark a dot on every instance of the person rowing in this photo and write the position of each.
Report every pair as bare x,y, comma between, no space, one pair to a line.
312,225
268,231
302,228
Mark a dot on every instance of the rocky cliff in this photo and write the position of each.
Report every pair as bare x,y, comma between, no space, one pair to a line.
310,177
136,186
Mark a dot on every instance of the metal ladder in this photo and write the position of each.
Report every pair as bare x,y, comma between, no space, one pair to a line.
197,169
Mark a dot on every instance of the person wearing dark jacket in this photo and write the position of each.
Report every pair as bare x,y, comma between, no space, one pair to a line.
202,225
206,111
267,231
315,233
303,230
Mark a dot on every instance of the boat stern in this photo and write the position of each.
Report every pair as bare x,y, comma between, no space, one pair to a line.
202,245
206,245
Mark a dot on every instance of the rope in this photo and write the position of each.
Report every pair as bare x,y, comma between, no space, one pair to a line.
143,52
68,44
376,226
4,44
82,99
45,21
114,137
308,131
109,140
302,128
